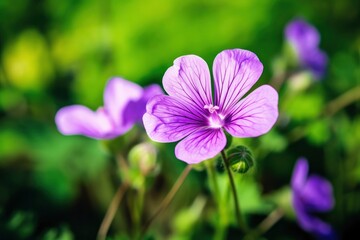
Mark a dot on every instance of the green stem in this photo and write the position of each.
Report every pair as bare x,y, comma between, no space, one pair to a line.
342,101
331,109
139,207
167,200
212,176
220,228
240,221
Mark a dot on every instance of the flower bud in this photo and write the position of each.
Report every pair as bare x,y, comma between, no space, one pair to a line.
143,156
240,159
300,81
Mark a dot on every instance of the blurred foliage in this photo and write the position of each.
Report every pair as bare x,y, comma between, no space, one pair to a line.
56,53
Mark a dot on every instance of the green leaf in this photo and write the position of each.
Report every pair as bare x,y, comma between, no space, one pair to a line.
273,141
303,106
318,132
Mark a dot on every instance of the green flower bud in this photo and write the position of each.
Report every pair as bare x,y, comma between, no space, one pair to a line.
300,81
240,159
143,157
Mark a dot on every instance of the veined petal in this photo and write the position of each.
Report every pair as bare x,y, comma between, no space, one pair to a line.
300,174
79,120
168,120
200,145
117,95
255,114
235,72
188,80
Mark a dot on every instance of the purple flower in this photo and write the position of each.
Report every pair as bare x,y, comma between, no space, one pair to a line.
124,105
191,114
311,194
305,40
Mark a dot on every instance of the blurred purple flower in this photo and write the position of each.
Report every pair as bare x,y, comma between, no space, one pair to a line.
305,40
189,113
124,105
311,195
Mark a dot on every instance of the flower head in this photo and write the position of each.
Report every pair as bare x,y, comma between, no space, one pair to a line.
124,105
311,194
305,40
191,113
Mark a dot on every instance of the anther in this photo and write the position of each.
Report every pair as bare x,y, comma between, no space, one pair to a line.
211,108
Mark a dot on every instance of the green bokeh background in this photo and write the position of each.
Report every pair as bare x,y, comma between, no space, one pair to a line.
57,53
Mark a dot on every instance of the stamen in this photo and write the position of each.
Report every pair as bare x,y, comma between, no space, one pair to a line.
211,108
215,120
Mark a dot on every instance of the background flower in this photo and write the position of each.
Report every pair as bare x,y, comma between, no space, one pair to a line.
191,115
124,105
311,194
305,40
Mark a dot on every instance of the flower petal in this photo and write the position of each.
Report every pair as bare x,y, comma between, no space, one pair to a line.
300,174
150,91
255,114
309,195
188,80
311,223
235,72
316,61
302,34
134,110
168,120
117,95
79,120
305,40
200,145
317,194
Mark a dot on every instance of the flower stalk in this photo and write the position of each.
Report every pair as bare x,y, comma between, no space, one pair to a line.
240,221
167,200
266,224
110,214
220,227
342,101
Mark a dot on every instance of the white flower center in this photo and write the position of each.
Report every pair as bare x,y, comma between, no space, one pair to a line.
215,120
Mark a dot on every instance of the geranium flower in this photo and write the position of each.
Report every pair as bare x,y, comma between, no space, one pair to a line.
311,195
191,114
305,40
124,105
